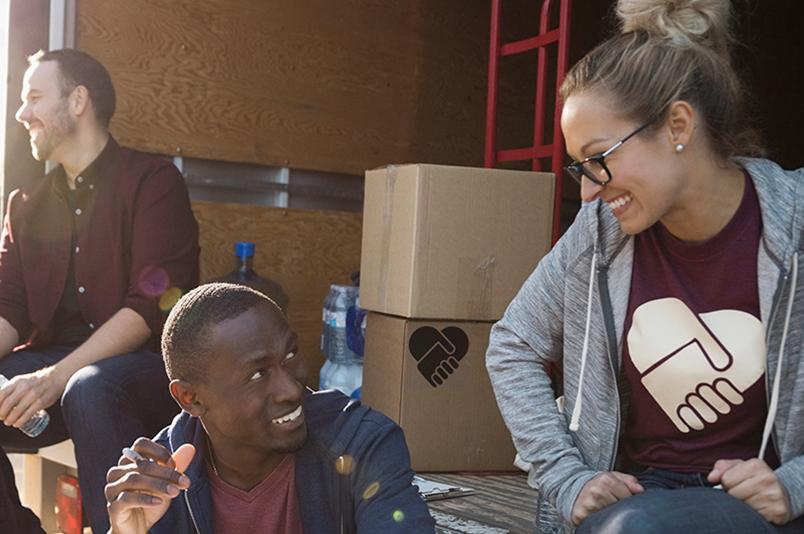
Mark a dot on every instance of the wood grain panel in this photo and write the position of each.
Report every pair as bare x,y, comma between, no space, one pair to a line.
333,86
304,250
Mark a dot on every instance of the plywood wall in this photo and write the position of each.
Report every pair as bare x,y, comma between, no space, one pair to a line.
304,250
318,84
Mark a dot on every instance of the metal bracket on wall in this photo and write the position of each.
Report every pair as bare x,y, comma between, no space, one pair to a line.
281,187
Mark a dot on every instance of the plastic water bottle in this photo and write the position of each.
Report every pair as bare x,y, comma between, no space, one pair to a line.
342,341
244,274
36,424
326,314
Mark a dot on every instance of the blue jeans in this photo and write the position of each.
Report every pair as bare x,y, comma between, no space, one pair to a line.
681,502
104,408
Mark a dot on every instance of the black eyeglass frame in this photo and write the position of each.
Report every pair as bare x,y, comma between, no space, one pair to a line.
577,169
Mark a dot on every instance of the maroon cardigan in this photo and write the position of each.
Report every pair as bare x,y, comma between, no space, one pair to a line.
136,238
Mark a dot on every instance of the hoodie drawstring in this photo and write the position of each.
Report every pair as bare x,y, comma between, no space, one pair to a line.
576,410
774,400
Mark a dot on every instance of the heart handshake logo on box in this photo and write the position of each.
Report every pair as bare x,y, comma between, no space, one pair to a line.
438,352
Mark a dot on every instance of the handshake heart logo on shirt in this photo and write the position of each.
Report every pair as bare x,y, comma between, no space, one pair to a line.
438,352
696,367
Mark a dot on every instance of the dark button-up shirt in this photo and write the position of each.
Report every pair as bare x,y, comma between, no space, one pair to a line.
136,243
69,326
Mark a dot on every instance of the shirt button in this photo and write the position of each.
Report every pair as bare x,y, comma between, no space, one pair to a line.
92,186
92,326
77,250
78,211
81,289
80,179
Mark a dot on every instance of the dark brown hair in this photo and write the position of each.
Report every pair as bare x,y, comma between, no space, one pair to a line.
79,68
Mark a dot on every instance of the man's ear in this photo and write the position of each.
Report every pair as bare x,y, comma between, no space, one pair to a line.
186,395
79,100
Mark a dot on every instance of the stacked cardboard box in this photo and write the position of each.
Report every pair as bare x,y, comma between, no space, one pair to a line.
445,249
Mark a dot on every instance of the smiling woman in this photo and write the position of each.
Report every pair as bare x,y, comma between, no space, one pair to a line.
672,301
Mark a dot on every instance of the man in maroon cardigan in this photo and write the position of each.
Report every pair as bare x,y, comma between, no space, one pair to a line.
92,258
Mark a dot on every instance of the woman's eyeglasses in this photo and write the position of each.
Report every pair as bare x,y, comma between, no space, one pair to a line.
594,167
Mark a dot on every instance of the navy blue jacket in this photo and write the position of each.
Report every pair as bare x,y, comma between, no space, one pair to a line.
376,496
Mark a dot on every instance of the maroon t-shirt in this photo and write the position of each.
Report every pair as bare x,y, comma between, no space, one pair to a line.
271,506
694,350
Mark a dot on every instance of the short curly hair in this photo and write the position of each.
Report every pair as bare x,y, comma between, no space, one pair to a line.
187,334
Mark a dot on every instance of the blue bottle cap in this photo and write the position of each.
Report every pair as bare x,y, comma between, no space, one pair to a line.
244,249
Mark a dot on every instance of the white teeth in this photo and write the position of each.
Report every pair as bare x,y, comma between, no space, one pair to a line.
292,416
620,202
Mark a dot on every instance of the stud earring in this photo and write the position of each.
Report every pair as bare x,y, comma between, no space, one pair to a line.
679,147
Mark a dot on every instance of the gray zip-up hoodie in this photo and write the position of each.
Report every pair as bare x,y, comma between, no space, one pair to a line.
578,296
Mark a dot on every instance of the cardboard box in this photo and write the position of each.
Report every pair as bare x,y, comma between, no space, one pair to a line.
445,242
451,420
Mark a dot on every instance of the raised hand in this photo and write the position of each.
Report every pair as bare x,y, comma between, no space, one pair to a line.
138,493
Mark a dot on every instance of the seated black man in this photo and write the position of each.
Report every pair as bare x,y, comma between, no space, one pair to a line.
265,453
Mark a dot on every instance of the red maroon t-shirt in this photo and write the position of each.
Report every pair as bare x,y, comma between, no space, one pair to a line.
271,506
694,348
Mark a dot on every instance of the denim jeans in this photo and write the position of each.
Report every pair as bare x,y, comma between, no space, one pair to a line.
104,408
681,502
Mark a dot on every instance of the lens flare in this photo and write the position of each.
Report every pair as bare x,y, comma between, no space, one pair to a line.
371,490
169,299
345,464
153,281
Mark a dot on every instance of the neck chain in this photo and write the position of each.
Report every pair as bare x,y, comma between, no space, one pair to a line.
212,458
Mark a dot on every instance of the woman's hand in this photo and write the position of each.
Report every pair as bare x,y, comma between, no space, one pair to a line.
756,484
603,490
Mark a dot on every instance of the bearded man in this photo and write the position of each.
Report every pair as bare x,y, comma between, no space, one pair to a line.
89,260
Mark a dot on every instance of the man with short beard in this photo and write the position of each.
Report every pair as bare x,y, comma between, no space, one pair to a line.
253,449
92,258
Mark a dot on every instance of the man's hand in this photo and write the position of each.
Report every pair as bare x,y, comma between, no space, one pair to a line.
603,490
24,395
754,483
139,493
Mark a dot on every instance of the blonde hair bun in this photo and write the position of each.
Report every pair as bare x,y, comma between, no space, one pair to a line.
703,22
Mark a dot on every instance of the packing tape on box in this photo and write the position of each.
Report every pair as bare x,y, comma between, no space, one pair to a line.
476,280
387,212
